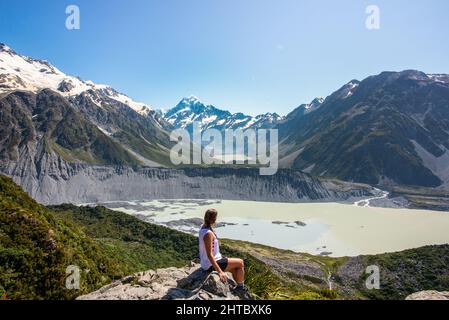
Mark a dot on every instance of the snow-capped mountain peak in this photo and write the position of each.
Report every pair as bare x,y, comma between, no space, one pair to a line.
192,104
18,72
192,99
191,109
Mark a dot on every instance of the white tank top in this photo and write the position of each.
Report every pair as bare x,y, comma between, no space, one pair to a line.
205,263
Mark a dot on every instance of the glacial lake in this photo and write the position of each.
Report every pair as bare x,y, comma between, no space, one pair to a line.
317,228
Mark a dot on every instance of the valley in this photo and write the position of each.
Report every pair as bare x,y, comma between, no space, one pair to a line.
113,245
87,179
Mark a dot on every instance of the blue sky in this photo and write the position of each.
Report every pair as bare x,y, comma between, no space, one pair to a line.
252,56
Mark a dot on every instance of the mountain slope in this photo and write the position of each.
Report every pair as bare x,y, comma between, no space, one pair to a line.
45,127
146,136
390,128
128,128
37,244
401,273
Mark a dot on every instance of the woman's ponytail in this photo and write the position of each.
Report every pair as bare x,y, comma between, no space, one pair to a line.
210,218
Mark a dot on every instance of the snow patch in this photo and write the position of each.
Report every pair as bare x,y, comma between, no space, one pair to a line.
104,131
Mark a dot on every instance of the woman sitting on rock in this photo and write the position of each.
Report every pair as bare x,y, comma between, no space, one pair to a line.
211,258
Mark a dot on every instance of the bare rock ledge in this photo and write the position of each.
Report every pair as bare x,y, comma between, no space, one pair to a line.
429,295
188,283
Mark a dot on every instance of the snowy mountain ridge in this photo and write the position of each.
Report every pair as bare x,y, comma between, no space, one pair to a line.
18,72
191,109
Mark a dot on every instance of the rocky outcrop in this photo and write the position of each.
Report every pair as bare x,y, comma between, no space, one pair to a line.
61,182
189,283
429,295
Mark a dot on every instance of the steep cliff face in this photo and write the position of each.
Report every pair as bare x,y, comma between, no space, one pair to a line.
60,182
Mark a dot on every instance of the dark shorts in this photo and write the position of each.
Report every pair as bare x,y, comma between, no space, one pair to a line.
222,263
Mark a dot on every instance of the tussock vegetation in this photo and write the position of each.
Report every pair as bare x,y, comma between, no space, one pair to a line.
37,244
410,271
36,248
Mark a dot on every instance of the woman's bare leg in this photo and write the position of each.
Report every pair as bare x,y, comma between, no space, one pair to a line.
237,268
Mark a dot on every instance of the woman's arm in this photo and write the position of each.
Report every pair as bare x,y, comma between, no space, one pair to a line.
208,240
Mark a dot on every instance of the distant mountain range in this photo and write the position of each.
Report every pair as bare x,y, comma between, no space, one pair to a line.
190,110
392,128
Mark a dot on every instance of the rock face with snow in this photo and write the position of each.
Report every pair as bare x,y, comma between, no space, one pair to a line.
189,283
46,114
429,295
304,109
191,110
18,72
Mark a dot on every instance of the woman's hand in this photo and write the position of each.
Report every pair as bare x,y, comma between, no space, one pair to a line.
223,277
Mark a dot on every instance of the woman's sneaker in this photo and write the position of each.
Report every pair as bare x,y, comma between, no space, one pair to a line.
242,292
